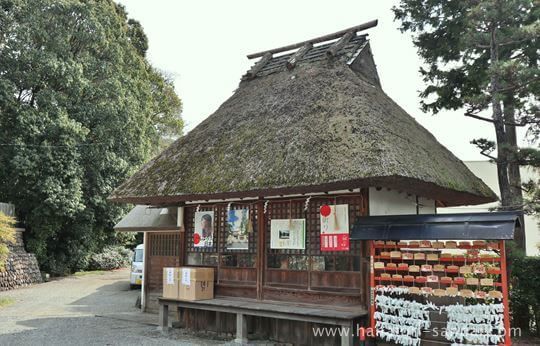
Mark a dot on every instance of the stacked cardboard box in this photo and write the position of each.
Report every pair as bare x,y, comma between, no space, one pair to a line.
188,283
171,282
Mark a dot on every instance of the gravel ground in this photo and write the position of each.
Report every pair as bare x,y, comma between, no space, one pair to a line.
88,310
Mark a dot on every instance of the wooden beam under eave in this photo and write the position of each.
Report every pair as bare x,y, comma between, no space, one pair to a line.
336,47
319,39
298,55
258,66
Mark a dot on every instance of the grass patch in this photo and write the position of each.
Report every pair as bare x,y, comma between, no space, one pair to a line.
90,272
5,301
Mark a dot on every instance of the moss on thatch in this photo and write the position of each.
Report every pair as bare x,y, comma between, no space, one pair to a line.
318,126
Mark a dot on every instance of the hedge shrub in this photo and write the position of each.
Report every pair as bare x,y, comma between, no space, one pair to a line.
112,257
525,294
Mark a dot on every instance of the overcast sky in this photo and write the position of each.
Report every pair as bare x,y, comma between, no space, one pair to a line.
203,44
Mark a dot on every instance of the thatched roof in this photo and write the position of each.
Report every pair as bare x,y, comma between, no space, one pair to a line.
325,124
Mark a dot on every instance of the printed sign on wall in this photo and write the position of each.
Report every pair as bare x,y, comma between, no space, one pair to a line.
204,229
335,227
288,234
238,228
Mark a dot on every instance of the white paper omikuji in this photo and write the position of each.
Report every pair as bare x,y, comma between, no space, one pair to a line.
401,321
475,324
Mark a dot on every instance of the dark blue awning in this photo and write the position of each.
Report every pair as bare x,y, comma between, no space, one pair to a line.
475,226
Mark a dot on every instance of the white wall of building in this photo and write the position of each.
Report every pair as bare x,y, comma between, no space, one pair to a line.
487,171
383,201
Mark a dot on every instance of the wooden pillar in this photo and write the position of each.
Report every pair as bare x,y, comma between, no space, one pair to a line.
218,323
241,329
261,253
182,244
163,317
181,218
144,286
347,333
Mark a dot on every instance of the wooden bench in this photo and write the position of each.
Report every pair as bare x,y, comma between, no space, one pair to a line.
342,316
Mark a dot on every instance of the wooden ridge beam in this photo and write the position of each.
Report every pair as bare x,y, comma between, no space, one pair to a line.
298,55
336,47
319,39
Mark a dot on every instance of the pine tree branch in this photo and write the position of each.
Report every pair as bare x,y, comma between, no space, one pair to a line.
482,46
483,153
516,41
519,86
518,124
469,114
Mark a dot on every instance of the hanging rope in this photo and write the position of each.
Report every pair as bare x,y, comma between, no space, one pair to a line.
267,202
306,205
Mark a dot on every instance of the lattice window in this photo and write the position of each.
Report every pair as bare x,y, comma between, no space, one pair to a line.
165,244
312,258
210,256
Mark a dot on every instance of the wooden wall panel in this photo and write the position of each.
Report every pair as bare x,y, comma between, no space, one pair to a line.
287,278
242,291
336,298
350,281
240,276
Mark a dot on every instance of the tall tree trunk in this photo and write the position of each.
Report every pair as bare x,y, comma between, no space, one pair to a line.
498,122
514,175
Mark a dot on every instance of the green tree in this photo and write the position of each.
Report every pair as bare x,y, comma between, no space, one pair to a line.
7,236
80,110
482,56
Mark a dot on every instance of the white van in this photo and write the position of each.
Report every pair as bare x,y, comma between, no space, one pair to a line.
137,266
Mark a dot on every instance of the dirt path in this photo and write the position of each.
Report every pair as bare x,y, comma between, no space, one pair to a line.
88,310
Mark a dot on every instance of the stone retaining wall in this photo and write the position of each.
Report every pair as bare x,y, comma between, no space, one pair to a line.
21,268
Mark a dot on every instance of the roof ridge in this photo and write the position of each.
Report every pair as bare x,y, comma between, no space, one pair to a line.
347,46
342,37
324,38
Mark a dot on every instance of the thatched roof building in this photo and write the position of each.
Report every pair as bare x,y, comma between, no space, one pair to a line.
313,119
